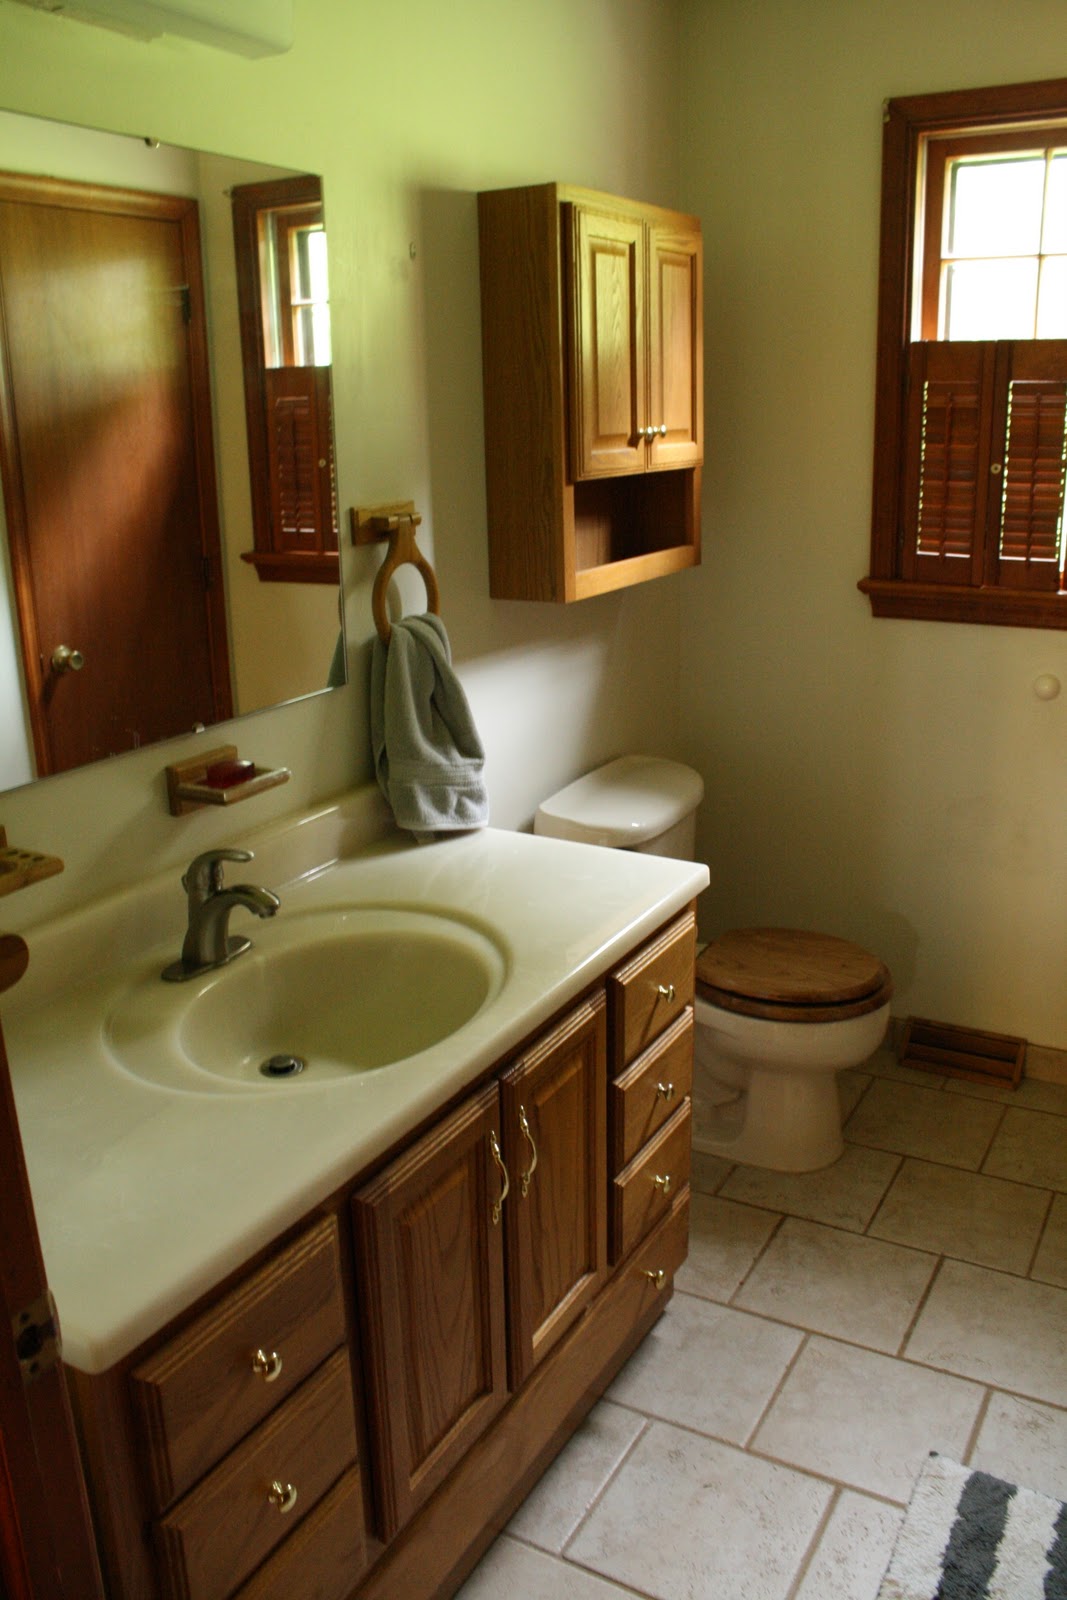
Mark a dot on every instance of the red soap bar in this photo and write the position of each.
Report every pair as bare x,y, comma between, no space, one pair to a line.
225,774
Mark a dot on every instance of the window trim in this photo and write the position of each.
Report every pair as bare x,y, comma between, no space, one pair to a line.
908,123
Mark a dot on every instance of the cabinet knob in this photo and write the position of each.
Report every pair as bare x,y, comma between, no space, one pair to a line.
282,1495
267,1365
658,1278
666,992
661,430
505,1186
662,1182
665,1091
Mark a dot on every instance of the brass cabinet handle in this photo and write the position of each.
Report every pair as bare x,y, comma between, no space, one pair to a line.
527,1176
282,1495
665,1091
659,1277
494,1151
267,1365
666,992
662,1181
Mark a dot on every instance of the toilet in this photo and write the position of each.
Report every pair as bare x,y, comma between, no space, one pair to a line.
779,1011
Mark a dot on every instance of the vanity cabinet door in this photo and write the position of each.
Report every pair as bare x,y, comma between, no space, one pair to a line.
553,1110
430,1282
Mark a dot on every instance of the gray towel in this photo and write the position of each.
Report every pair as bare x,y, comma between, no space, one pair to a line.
427,753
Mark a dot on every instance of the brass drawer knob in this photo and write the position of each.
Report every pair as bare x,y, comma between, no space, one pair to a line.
666,992
282,1495
267,1365
665,1091
657,1278
662,1182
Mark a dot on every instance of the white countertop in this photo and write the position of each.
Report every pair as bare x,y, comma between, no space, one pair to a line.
147,1196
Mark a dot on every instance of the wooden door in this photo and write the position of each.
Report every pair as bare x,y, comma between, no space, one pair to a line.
107,467
608,343
430,1277
553,1108
47,1551
676,348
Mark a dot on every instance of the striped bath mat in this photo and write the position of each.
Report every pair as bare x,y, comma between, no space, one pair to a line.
969,1536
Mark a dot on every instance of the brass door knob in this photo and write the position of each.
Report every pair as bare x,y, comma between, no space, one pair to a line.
65,659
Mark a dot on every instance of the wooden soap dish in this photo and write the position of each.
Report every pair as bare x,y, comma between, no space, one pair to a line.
20,868
202,780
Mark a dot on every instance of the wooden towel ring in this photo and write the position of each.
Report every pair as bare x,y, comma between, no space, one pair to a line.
403,551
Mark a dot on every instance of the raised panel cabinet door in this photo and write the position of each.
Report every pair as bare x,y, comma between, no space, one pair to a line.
430,1283
608,343
553,1108
676,347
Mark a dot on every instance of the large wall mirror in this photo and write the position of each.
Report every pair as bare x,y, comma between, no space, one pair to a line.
168,524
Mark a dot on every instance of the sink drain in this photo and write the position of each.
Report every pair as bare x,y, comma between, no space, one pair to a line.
283,1066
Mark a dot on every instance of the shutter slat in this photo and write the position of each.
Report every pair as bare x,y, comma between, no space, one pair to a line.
1032,506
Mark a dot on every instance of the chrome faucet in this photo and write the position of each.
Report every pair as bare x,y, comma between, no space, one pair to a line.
208,942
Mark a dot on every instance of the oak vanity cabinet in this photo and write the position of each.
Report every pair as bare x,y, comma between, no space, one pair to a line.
477,1249
355,1415
592,358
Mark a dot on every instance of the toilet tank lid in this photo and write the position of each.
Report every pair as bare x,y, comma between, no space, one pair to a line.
624,803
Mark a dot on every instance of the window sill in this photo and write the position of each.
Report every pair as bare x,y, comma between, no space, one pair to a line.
929,602
313,566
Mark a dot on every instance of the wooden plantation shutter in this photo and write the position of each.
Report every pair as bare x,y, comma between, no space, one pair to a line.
1032,389
299,445
985,444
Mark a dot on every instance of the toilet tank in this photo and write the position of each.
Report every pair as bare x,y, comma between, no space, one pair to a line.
633,803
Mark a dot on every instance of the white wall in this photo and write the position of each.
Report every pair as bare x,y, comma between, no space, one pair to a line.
895,782
407,110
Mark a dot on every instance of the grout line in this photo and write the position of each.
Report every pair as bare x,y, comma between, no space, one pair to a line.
919,1309
992,1137
610,1479
780,1385
1036,1251
758,1257
976,1427
813,1544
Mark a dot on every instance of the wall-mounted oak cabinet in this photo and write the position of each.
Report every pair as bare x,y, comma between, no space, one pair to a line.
592,348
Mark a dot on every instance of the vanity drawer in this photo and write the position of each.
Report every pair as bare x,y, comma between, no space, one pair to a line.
215,1538
651,1090
644,1191
323,1557
652,989
210,1385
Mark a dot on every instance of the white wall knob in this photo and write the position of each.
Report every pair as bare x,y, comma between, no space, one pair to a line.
1046,686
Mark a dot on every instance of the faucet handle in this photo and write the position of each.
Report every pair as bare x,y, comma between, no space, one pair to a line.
203,876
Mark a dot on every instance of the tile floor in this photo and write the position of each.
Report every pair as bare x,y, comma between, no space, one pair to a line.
827,1331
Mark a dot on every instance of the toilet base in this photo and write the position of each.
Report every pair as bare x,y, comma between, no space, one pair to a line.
778,1122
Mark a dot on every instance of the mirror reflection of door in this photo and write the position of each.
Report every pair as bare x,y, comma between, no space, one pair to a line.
108,470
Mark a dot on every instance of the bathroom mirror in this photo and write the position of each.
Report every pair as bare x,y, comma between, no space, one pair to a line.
131,557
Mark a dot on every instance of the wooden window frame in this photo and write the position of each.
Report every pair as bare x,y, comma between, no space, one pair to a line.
274,557
909,126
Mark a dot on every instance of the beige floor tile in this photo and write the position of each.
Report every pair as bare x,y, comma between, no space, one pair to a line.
1031,1095
867,1420
886,1065
964,1214
511,1568
707,1172
850,1087
845,1195
1002,1330
724,1240
923,1122
688,1518
1024,1442
551,1513
707,1367
1050,1263
838,1283
854,1550
1030,1146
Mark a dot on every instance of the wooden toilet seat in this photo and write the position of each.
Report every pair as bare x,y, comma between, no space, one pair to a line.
788,975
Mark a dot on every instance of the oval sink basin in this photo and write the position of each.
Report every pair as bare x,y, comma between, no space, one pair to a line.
320,996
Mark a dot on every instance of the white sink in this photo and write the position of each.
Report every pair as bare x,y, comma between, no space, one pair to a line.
321,996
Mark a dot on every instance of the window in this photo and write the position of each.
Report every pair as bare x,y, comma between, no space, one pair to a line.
283,295
971,403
